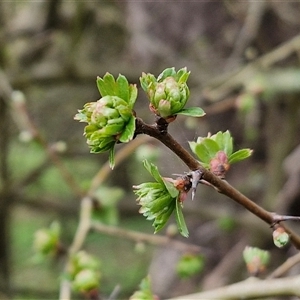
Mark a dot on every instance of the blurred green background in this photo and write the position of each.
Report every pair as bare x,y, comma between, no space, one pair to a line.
245,73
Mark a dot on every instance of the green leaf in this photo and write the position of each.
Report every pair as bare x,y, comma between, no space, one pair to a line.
128,132
201,151
112,157
182,75
211,146
157,207
224,140
218,137
106,85
227,143
101,87
206,150
106,143
239,155
166,73
193,146
144,82
123,88
161,220
147,80
112,129
110,84
180,220
133,92
171,188
192,112
152,169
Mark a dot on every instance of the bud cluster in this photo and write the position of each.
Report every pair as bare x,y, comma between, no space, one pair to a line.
110,119
84,271
216,152
159,199
156,202
168,93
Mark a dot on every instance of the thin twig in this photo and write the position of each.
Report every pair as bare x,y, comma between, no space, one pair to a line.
285,267
156,240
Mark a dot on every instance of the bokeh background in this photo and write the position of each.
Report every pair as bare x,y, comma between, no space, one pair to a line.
245,73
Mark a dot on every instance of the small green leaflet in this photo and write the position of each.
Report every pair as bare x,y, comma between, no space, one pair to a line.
192,112
152,169
180,220
239,155
112,157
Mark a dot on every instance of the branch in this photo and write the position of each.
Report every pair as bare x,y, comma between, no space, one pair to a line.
251,288
221,185
157,240
286,266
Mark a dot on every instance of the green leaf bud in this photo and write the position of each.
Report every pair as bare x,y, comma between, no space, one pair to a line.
159,199
110,119
86,261
215,152
144,292
86,280
169,93
256,260
280,237
46,240
189,265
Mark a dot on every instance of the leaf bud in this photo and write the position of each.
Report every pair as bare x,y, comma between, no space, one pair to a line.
168,93
46,240
280,237
86,280
256,260
111,119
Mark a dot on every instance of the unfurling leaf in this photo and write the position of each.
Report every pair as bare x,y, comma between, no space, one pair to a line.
215,152
110,119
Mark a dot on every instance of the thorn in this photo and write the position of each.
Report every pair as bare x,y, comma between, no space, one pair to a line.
193,193
196,176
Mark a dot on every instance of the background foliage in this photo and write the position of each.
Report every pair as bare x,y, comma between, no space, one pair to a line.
244,62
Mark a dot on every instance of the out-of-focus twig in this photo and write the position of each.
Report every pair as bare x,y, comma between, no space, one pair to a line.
249,30
219,275
25,123
286,266
250,289
135,236
222,87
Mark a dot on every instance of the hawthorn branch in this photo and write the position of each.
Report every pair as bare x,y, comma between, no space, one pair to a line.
221,185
